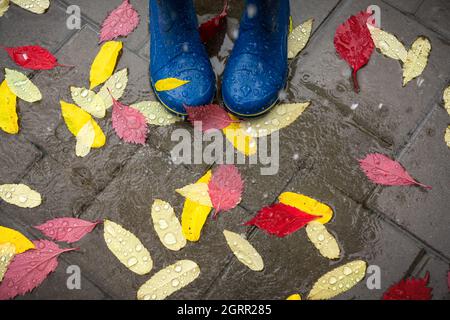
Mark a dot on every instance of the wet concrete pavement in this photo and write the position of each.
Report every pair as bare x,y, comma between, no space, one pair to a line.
403,230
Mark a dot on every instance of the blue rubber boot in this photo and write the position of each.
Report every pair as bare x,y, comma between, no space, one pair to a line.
257,68
176,51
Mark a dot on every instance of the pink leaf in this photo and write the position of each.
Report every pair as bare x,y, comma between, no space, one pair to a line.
67,229
211,27
130,124
29,269
225,188
211,116
120,22
383,170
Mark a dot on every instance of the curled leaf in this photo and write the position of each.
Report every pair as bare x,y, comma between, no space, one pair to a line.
105,62
240,140
35,6
7,252
388,44
127,248
410,289
116,84
33,57
20,242
9,121
168,280
211,27
244,251
69,230
322,240
20,195
294,296
4,6
21,86
278,118
155,113
416,60
298,38
308,205
120,22
89,101
167,226
130,124
338,280
225,188
211,117
85,139
169,84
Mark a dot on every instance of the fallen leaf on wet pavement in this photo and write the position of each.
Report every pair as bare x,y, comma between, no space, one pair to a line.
447,136
410,289
196,192
169,280
209,29
4,6
388,44
89,101
85,139
35,6
120,22
294,296
21,86
68,230
416,60
7,252
169,84
382,170
127,248
308,205
105,62
322,240
298,38
20,242
20,195
240,140
116,84
210,117
167,226
9,121
244,251
354,43
155,113
338,280
32,57
446,98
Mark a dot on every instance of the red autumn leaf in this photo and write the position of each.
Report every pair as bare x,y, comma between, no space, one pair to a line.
67,229
410,289
382,170
129,123
354,43
225,188
29,269
211,116
33,57
210,28
280,219
120,22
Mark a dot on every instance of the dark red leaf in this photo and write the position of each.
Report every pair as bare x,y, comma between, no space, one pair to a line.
354,43
280,219
410,289
33,57
211,116
211,27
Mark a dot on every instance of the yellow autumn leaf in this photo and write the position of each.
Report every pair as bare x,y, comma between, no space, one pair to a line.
89,101
244,251
278,118
291,24
168,280
105,62
167,226
298,38
21,86
9,121
85,139
294,296
20,195
308,205
194,215
155,113
338,280
20,242
7,252
127,248
323,240
416,60
447,136
196,192
117,84
35,6
75,118
169,84
240,140
388,44
447,99
4,6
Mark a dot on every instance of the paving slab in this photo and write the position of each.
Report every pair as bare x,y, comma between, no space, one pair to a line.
436,14
407,6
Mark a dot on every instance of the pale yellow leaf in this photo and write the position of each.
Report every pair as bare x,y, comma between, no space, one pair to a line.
20,195
241,141
298,38
279,117
127,248
9,121
35,6
308,205
89,101
167,225
4,6
85,139
20,242
156,113
322,240
117,84
447,136
244,251
388,44
169,84
196,192
447,99
416,60
338,280
168,280
105,62
21,86
7,252
294,296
